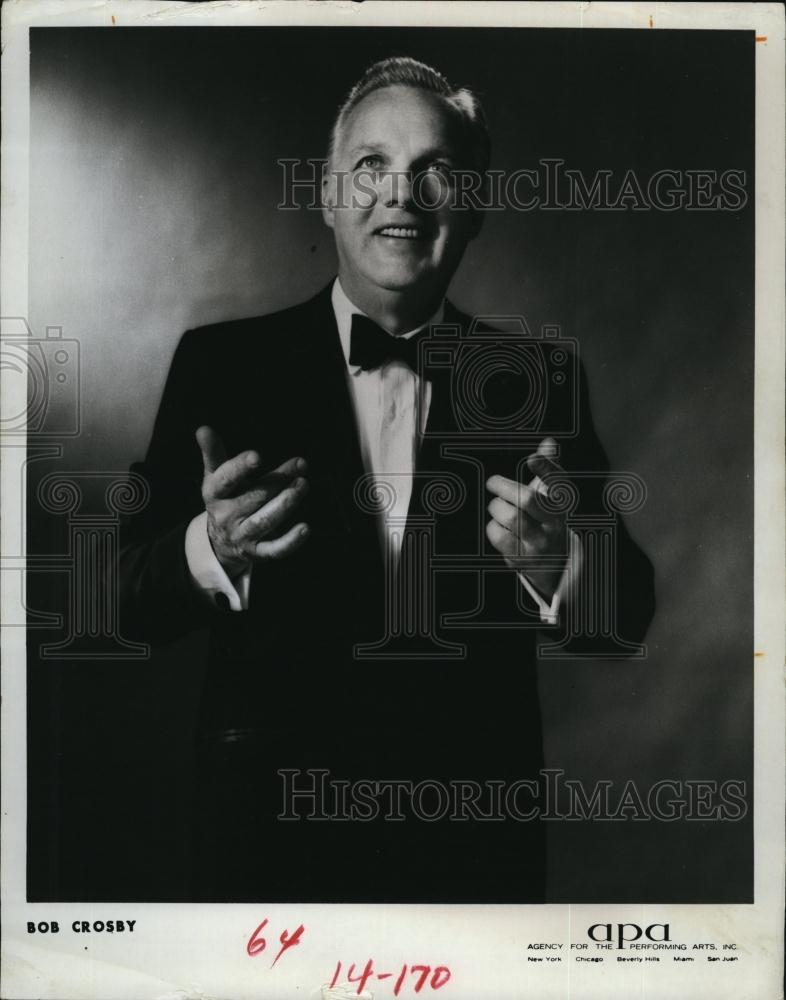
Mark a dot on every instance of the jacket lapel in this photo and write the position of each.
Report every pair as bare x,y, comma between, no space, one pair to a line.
335,455
442,431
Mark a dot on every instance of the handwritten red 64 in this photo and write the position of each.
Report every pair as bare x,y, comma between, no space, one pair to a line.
414,976
257,943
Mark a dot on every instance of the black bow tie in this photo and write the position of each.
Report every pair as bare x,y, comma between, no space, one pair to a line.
370,346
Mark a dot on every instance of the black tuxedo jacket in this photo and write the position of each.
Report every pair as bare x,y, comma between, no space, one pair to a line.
277,384
287,686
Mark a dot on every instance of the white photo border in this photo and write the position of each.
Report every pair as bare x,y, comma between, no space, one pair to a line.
199,950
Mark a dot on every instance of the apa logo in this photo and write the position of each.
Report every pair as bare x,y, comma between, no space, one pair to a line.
627,933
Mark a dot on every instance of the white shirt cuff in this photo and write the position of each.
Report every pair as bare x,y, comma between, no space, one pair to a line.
549,611
208,574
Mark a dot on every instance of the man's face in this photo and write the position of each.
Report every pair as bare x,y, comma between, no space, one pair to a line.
393,161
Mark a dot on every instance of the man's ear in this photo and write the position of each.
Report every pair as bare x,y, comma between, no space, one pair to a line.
328,196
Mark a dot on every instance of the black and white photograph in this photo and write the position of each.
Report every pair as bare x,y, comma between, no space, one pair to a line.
389,488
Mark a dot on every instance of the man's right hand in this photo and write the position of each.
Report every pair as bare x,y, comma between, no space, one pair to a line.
247,509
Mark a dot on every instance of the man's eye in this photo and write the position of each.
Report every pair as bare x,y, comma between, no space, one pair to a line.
370,163
438,167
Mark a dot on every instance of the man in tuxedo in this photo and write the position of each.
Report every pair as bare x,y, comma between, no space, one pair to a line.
371,576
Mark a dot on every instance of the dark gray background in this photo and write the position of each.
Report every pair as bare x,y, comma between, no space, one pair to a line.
153,189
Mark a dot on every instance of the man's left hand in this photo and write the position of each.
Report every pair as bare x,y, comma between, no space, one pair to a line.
522,530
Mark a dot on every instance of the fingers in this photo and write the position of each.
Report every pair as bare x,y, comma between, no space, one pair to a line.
514,534
212,448
268,486
508,516
246,506
505,541
278,548
520,527
292,467
231,476
524,498
519,538
268,518
234,476
543,462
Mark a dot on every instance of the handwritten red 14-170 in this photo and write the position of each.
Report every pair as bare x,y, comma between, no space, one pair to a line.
420,973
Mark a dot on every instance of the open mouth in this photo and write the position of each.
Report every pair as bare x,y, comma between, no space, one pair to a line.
402,232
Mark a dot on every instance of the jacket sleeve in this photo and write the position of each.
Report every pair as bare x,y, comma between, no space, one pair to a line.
631,583
159,601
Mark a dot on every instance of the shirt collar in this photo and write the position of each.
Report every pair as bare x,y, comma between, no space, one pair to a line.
345,309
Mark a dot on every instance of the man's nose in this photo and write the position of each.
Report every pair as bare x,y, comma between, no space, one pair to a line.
397,188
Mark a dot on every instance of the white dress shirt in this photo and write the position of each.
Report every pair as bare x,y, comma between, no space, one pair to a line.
390,415
390,419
